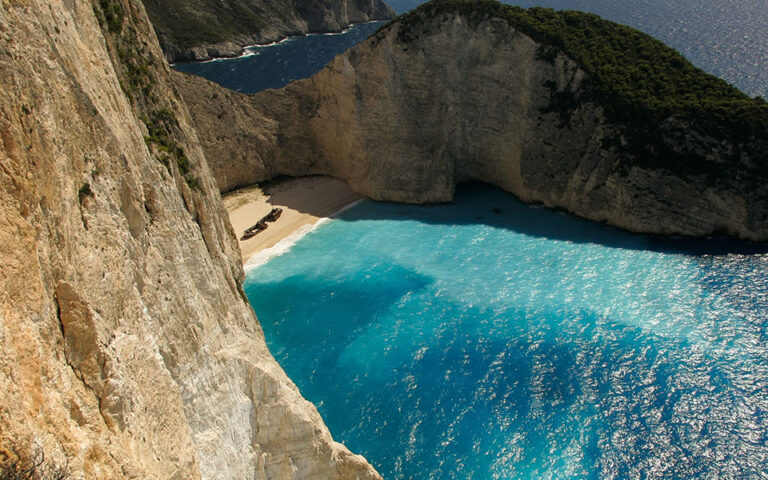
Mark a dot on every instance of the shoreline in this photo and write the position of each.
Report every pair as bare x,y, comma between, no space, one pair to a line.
244,53
261,257
307,203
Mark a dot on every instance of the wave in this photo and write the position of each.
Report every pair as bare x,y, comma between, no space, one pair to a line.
284,245
346,207
251,50
263,256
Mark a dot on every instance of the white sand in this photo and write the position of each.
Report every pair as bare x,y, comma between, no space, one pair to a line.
304,201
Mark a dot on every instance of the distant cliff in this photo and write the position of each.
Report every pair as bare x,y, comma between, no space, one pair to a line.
559,108
201,29
127,347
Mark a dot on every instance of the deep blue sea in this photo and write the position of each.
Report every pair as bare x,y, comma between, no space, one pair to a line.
493,340
274,65
728,38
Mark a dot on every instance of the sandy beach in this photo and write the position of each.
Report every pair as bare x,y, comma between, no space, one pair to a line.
304,201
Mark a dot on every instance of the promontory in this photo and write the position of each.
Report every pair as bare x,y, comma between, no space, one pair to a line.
562,108
202,29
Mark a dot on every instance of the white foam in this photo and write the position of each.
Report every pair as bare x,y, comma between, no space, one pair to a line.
252,49
347,207
263,256
272,44
284,245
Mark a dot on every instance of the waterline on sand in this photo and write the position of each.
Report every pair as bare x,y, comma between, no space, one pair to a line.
489,339
263,256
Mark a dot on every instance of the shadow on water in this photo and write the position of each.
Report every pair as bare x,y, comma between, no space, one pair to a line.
431,397
489,205
420,378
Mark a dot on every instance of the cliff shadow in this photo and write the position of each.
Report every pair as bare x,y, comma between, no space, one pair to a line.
481,203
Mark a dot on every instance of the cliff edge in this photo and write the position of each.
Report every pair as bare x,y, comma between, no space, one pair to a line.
559,108
191,30
127,347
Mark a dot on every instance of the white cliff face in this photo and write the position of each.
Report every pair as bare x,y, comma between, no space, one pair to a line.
471,98
126,343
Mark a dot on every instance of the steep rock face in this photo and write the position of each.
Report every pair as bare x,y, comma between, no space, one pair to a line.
126,344
406,115
233,130
201,29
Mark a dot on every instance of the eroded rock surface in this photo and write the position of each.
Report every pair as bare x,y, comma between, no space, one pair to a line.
201,29
126,343
404,116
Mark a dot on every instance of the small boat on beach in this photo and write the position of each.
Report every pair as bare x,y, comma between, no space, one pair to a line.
261,225
273,215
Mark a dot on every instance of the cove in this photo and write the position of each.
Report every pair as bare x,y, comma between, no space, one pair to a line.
492,339
274,65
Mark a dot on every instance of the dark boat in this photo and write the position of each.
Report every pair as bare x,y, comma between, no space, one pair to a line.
272,215
261,225
251,231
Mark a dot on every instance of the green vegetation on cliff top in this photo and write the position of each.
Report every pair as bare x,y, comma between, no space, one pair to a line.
193,22
136,67
190,23
634,76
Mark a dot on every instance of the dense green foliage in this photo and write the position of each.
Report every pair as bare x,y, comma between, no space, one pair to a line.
136,68
111,14
184,24
638,79
189,23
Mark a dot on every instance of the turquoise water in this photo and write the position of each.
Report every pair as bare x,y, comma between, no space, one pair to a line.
489,339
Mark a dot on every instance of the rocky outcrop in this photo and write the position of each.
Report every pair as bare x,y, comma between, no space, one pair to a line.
233,130
457,95
127,347
192,30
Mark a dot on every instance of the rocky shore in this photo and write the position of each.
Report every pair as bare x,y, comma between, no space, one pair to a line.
195,30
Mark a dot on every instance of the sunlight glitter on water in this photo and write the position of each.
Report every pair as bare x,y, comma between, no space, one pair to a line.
522,344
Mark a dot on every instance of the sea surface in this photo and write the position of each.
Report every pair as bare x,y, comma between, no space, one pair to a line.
274,65
493,340
489,339
728,38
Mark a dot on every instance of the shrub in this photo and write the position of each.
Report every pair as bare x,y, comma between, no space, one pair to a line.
17,463
85,191
114,14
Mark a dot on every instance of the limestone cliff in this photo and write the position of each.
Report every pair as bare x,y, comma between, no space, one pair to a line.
127,348
454,92
201,29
